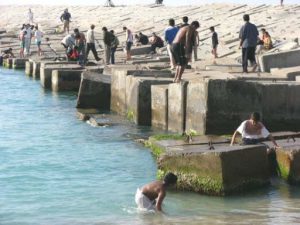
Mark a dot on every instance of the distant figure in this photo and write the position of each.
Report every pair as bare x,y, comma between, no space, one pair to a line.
22,35
38,39
248,40
28,37
215,42
90,43
30,16
170,33
114,44
107,39
65,18
253,131
182,47
281,2
158,2
156,42
80,42
109,3
151,196
141,39
185,21
129,42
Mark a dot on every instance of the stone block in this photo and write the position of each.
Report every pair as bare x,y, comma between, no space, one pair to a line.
138,98
177,107
66,80
94,91
29,68
141,50
159,106
292,73
19,63
220,171
8,63
279,60
36,69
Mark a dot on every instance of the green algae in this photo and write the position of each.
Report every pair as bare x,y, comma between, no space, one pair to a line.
159,137
284,171
156,150
130,115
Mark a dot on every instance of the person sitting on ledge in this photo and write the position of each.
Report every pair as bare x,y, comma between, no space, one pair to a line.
253,131
141,39
151,196
156,42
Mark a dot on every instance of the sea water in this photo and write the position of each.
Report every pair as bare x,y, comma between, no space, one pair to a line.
55,169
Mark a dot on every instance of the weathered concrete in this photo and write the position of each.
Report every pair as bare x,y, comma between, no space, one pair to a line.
159,106
36,69
292,73
222,170
279,60
177,107
46,72
138,97
66,80
8,63
94,91
141,50
19,63
29,68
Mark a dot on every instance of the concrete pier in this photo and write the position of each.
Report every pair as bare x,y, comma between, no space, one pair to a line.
159,106
66,80
19,63
29,68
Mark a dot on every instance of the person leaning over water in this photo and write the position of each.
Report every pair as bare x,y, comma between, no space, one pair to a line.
151,196
252,131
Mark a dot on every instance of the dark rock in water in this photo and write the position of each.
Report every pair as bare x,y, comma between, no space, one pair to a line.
83,116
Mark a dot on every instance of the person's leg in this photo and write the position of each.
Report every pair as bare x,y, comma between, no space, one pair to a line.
172,60
181,70
195,48
113,50
93,48
251,57
83,54
68,26
88,48
244,60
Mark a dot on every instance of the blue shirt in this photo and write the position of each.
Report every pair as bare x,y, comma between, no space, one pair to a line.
248,35
170,34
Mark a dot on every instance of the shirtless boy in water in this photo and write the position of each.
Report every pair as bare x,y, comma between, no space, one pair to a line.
182,47
151,196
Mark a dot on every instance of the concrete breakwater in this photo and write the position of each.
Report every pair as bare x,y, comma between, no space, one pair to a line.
211,100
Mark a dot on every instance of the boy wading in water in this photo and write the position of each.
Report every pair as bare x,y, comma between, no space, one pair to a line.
182,47
151,196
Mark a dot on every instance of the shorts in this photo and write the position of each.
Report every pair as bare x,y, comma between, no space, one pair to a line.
178,53
66,23
22,44
143,202
128,46
38,43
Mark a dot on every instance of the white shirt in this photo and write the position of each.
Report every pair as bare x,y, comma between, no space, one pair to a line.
69,40
30,16
38,35
90,37
129,36
264,133
28,30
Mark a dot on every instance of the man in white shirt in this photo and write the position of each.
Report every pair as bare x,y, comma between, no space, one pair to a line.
253,131
38,39
28,39
90,40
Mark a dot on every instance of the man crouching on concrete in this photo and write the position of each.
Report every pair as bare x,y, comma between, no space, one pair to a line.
151,196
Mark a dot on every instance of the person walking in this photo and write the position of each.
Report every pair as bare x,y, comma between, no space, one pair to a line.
248,41
114,45
65,18
107,39
90,43
170,33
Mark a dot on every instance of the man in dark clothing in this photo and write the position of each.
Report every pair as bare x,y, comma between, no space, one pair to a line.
65,18
143,39
156,42
107,39
185,21
248,40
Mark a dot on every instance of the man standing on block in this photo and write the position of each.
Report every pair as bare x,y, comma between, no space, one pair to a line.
65,18
170,34
90,43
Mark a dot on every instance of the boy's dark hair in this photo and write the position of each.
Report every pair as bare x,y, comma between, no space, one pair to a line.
124,28
195,24
185,19
112,31
255,116
246,18
76,30
170,179
212,28
172,22
92,26
104,28
263,29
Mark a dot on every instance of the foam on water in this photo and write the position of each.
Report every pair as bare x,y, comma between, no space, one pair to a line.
55,169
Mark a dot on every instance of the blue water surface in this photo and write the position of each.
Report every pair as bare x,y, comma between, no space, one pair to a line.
55,169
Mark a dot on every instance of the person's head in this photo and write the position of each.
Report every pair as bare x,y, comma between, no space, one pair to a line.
170,179
36,27
136,36
66,10
92,26
255,116
32,27
185,19
23,26
212,29
76,31
27,25
104,29
112,31
154,34
10,49
124,28
246,18
172,22
77,36
263,30
195,24
140,34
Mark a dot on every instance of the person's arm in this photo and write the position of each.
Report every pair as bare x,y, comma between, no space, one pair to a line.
61,17
273,141
233,137
189,42
160,198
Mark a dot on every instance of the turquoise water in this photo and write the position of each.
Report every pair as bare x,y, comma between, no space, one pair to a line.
55,169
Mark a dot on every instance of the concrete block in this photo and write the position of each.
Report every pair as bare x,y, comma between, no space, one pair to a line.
279,60
36,69
66,80
94,91
292,73
220,171
141,50
177,107
159,106
19,63
29,68
46,72
8,63
138,98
